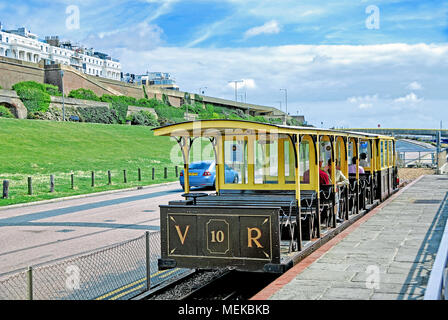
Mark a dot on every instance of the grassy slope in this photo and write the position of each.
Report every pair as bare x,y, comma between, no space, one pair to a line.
40,148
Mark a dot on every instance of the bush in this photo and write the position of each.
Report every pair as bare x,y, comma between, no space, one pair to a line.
33,95
97,115
169,114
144,118
119,104
83,94
5,113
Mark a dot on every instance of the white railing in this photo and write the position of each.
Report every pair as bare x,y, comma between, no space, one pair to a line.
437,288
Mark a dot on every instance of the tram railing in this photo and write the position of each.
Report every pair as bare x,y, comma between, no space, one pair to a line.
437,288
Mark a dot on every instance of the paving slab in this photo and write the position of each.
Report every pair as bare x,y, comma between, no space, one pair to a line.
388,256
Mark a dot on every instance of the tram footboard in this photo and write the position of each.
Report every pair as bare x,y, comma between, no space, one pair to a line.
205,237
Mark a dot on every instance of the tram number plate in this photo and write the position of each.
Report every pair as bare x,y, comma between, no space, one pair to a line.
237,236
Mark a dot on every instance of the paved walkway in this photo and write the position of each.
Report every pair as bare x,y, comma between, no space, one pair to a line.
387,254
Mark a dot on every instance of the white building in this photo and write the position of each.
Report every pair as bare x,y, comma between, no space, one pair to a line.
23,45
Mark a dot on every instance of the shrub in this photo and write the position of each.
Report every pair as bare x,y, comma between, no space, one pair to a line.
144,118
97,115
83,94
5,113
165,100
169,114
33,95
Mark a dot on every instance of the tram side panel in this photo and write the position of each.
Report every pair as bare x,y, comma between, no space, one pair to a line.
244,238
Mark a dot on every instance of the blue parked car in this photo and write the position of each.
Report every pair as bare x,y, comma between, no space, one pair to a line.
203,174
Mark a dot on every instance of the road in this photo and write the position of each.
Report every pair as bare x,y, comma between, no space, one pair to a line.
40,233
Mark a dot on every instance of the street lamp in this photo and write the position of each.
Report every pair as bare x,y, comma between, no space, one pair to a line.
63,102
200,90
286,99
236,88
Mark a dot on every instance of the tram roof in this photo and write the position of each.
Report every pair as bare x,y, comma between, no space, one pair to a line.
199,127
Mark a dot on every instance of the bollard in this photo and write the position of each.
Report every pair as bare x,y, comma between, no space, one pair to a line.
72,181
177,172
51,183
5,189
125,179
109,177
153,173
139,174
30,186
93,179
165,173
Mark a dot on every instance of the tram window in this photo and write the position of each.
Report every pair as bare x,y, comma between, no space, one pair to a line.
340,157
364,156
325,153
351,152
382,154
390,153
235,153
266,162
304,163
288,156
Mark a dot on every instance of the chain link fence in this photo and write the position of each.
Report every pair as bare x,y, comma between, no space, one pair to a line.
116,272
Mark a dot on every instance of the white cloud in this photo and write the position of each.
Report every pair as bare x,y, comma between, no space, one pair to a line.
414,86
410,98
365,106
271,27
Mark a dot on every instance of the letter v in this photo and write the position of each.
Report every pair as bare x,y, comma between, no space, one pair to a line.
182,236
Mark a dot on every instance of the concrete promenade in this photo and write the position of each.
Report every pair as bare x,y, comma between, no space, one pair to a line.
387,254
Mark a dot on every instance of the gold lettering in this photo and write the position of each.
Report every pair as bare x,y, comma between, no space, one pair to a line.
182,236
250,238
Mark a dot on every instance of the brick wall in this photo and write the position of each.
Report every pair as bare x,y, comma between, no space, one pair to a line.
13,71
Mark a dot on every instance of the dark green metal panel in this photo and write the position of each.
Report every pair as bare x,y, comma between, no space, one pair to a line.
246,238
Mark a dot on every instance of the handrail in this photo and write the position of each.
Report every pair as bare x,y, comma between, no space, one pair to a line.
437,288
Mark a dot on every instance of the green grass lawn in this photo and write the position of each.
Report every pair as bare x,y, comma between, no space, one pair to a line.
38,149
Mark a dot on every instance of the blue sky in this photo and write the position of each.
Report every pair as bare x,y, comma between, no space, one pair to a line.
337,68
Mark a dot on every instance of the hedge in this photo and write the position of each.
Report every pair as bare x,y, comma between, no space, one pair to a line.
97,115
84,94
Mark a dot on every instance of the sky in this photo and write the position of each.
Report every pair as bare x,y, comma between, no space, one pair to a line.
343,63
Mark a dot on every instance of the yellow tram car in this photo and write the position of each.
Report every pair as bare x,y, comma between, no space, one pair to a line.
297,188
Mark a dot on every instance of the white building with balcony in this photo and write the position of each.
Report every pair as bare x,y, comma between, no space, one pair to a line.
23,45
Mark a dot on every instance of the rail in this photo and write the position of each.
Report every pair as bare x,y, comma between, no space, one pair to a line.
438,280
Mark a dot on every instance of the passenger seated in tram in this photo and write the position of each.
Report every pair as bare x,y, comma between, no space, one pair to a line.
363,160
352,167
324,178
341,180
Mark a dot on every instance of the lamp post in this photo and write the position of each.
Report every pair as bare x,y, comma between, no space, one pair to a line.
286,99
200,90
236,88
63,102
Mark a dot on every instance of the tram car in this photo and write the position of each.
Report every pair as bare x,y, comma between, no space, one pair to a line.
297,188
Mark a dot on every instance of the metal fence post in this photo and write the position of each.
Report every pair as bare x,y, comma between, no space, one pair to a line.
29,275
72,181
109,177
148,263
